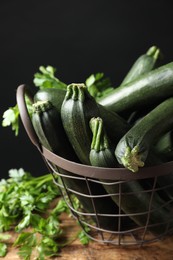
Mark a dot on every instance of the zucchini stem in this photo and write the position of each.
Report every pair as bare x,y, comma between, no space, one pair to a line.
41,106
157,54
132,159
151,50
75,91
99,140
154,51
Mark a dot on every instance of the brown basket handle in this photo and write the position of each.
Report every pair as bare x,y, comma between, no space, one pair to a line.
23,90
81,169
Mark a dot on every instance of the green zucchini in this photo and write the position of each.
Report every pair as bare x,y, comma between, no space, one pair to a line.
149,89
133,148
116,126
134,200
102,155
159,156
54,95
77,109
48,126
143,64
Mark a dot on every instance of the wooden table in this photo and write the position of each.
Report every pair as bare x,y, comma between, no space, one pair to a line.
162,250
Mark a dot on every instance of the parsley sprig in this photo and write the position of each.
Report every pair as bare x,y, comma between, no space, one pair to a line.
46,78
10,117
3,246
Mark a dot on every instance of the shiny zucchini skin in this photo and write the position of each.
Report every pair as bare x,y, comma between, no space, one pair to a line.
134,199
133,148
149,89
145,63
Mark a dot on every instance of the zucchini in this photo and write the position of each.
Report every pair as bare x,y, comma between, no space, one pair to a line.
143,64
132,149
48,126
134,201
54,95
101,154
149,89
77,109
116,126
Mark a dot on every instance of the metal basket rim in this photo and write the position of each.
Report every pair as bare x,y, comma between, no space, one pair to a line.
107,173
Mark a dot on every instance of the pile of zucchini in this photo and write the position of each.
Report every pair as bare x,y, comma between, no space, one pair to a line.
130,126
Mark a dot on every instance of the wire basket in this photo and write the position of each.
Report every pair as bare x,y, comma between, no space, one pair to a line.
121,216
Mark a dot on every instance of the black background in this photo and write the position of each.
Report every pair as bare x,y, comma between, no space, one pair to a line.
78,38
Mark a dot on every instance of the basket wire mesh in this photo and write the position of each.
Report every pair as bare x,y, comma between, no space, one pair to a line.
108,226
134,234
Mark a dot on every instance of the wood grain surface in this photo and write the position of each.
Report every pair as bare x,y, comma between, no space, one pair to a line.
162,250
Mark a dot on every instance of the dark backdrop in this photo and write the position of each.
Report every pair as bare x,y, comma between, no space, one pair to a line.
78,38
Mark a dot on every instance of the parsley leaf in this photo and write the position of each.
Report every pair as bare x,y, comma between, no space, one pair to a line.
26,241
47,79
98,85
84,239
47,247
11,116
3,246
3,249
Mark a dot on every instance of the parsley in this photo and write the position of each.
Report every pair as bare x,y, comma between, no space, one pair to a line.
47,79
23,202
3,246
98,85
84,239
22,194
11,116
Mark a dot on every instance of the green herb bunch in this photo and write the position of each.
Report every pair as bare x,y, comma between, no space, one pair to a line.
23,202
